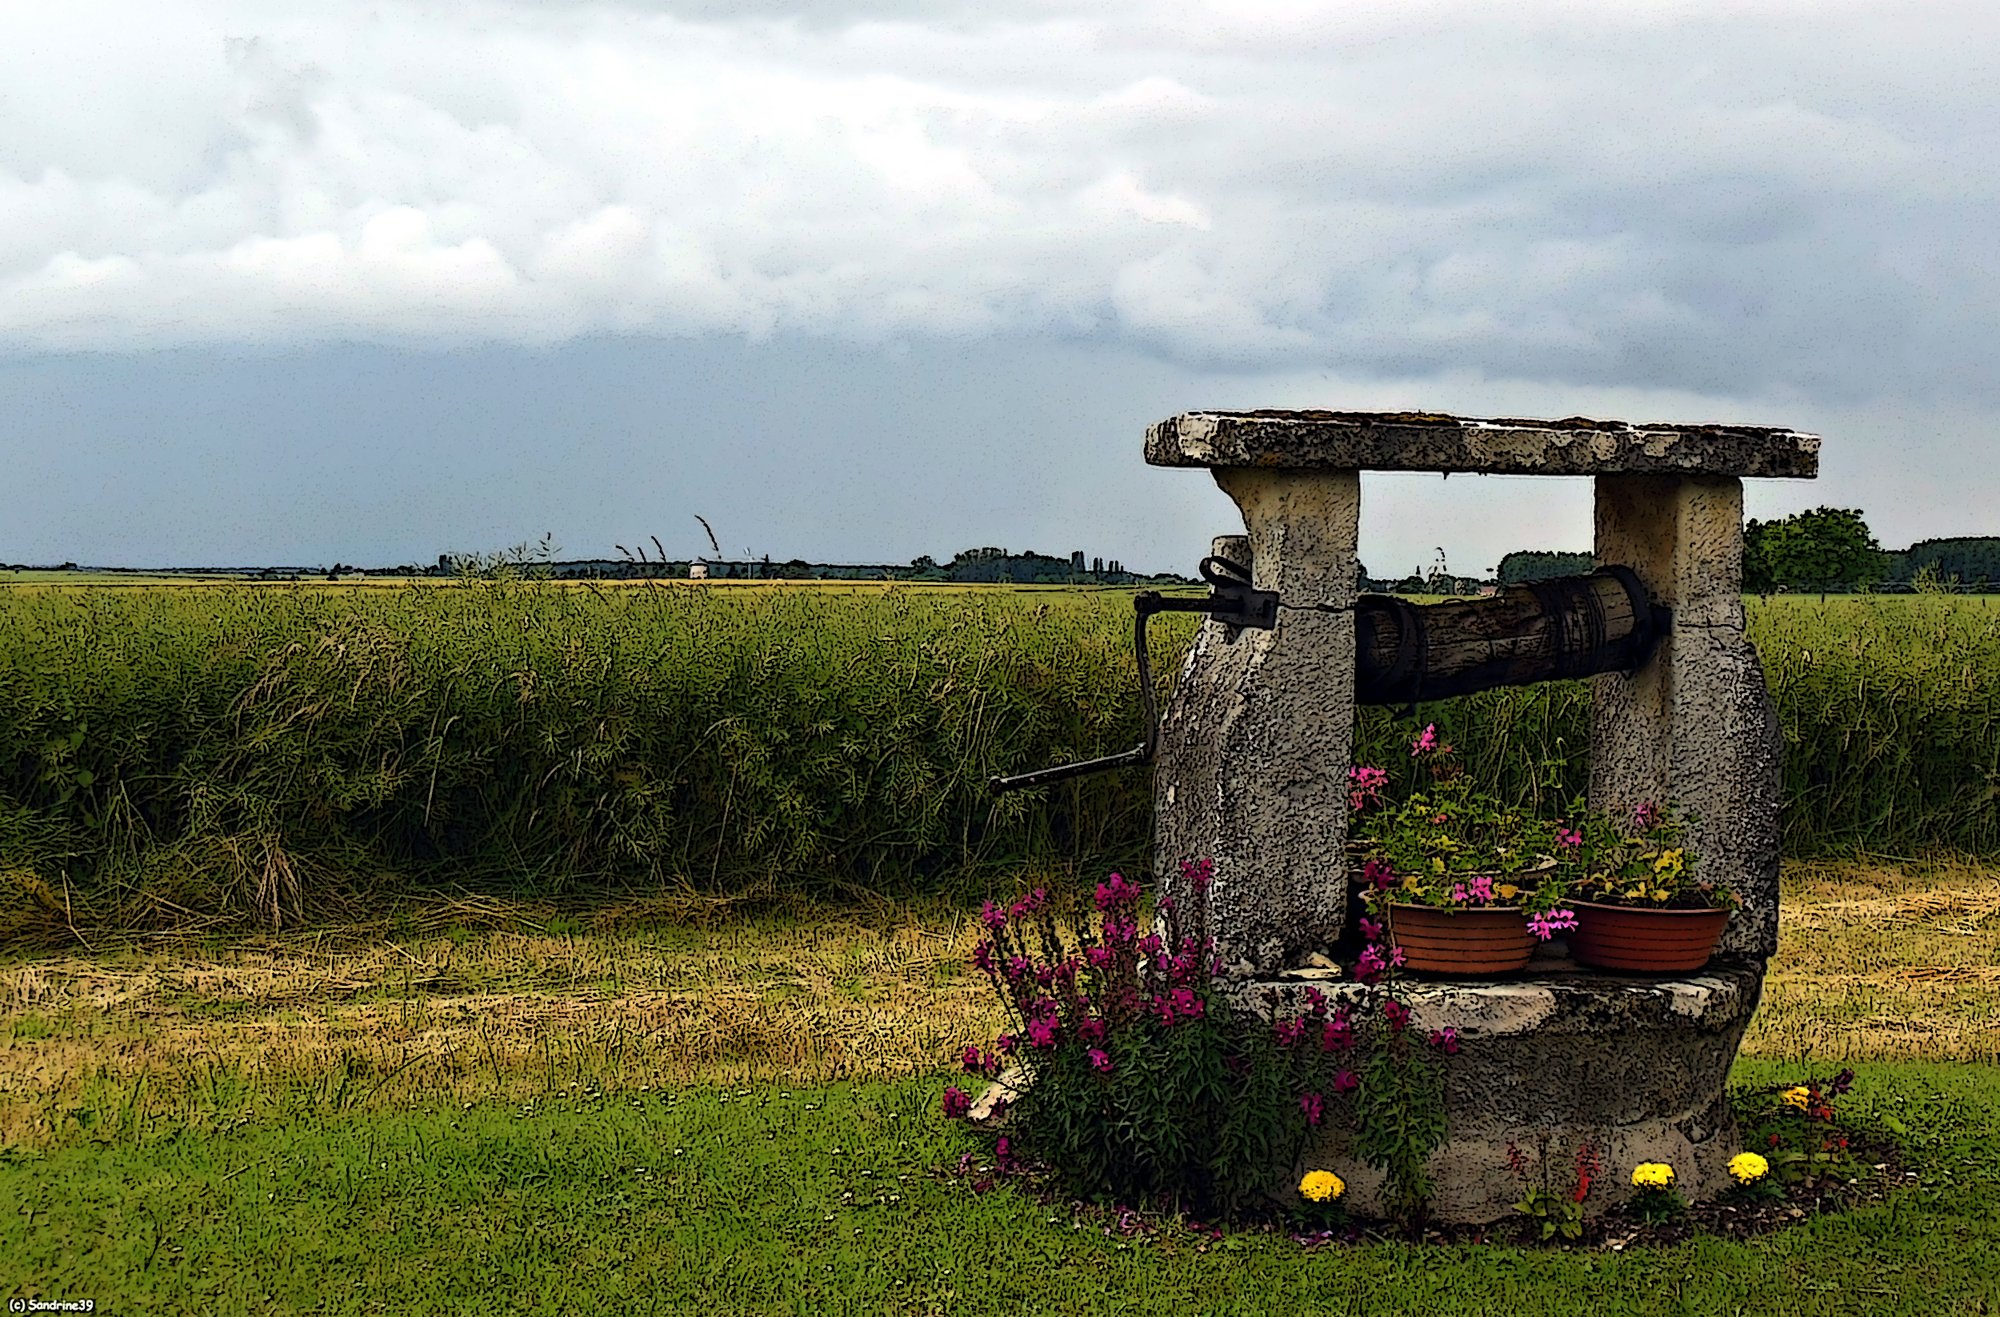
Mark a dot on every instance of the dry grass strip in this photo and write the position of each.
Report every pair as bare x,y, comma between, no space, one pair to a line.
1874,961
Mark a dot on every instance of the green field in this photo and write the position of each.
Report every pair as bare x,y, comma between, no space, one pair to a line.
179,756
831,1200
487,1107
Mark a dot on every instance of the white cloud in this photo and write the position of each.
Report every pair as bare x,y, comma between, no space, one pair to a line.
1732,197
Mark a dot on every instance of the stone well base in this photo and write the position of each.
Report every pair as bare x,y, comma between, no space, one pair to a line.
1636,1065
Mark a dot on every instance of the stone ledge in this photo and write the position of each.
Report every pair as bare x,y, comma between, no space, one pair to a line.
1555,997
1427,441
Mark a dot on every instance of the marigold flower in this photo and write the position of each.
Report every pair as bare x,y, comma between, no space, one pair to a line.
1652,1175
1747,1167
1322,1186
1800,1097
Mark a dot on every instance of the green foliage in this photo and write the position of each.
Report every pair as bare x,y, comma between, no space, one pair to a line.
1556,1215
249,750
1969,561
1825,549
1523,566
1646,864
1400,1120
1452,843
1657,1206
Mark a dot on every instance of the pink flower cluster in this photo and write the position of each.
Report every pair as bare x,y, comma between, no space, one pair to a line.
1079,993
1116,892
1477,892
1364,787
1548,923
1335,1035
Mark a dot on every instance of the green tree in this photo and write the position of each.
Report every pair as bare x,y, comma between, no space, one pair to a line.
1825,549
1537,565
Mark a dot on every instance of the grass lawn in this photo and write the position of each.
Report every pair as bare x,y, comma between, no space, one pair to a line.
824,1200
529,1109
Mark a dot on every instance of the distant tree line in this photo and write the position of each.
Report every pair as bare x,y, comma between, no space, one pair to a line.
1821,551
969,566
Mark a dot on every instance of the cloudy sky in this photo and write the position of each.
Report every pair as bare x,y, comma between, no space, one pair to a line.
864,279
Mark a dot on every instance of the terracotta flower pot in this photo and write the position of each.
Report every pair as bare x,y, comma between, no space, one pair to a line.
1486,940
1645,940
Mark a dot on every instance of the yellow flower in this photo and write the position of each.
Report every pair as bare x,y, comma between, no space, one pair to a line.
1653,1175
1800,1097
1748,1166
1321,1186
1507,891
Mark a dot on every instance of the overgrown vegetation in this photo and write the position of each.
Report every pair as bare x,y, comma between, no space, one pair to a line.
178,756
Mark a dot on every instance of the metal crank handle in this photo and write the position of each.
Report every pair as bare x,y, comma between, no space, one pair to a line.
1132,758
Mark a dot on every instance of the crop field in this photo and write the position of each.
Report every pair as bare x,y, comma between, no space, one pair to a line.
179,757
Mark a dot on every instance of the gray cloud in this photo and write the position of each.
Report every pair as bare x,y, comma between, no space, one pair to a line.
1745,199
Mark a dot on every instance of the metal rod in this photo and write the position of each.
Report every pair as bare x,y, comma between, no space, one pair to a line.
1230,600
1143,606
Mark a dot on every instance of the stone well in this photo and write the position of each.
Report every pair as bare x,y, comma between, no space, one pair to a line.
1253,751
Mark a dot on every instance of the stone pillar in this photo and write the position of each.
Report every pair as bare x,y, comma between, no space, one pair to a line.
1254,747
1696,727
